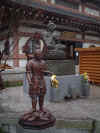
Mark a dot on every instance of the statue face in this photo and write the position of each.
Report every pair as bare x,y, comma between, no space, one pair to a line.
38,54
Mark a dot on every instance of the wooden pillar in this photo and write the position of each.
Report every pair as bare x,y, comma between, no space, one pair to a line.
16,51
83,7
49,1
83,35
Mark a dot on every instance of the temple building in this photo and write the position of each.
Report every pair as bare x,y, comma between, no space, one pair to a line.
77,26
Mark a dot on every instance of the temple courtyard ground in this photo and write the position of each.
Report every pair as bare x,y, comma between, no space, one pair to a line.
14,102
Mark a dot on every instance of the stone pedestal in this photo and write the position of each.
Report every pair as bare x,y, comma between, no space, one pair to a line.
37,120
22,130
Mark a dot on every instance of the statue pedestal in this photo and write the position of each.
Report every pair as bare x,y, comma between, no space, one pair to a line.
37,120
47,130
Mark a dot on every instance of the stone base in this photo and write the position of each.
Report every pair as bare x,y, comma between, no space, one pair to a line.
37,120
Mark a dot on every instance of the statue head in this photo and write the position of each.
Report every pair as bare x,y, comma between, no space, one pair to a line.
37,36
35,42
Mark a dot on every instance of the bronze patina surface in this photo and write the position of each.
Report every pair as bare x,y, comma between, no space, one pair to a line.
36,68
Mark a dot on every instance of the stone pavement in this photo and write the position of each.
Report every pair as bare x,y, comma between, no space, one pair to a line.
15,100
77,113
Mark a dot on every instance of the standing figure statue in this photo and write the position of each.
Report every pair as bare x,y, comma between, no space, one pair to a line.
36,69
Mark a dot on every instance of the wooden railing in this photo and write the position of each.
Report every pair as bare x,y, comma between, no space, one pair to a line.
89,61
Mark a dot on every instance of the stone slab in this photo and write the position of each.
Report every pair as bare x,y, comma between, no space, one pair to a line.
69,86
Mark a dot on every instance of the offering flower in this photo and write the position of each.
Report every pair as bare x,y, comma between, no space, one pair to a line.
54,81
85,76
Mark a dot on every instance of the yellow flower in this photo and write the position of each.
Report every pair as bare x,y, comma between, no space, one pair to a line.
85,76
54,81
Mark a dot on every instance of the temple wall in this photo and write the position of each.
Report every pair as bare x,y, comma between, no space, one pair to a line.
2,44
10,62
22,63
88,37
21,43
86,45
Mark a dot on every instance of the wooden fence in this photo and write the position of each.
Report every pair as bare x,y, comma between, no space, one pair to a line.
89,61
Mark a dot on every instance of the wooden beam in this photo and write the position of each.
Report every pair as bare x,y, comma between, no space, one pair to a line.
87,49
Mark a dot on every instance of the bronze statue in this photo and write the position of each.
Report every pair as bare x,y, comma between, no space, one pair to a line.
36,68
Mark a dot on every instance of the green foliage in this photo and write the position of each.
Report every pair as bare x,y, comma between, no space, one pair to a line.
1,130
12,83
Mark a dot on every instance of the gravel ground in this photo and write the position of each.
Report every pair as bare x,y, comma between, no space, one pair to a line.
15,100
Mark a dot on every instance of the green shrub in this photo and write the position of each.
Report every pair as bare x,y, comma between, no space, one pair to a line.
12,83
1,130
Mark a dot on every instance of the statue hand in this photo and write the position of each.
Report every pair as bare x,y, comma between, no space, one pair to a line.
51,73
30,84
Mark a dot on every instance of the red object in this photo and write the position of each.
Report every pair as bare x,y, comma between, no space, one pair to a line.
37,35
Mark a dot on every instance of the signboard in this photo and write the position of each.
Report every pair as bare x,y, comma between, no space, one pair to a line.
68,35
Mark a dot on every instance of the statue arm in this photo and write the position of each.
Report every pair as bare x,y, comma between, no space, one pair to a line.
46,72
28,73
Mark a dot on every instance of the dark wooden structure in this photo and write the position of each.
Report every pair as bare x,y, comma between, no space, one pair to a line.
38,14
70,22
89,61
